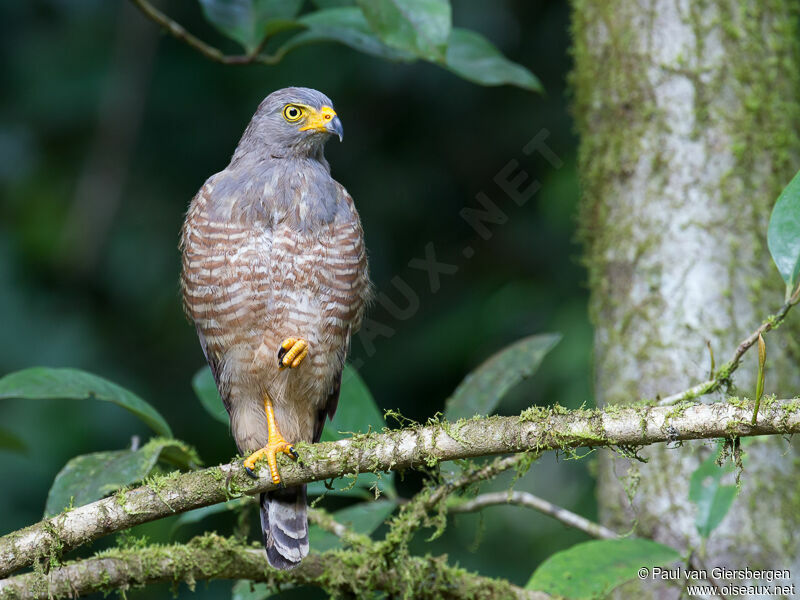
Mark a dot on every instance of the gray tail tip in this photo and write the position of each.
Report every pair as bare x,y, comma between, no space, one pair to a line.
277,560
284,527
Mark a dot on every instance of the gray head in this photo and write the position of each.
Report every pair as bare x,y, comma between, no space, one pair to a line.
292,122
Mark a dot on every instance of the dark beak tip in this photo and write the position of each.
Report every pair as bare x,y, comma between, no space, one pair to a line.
336,127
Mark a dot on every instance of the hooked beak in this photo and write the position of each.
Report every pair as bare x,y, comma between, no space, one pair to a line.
335,126
324,120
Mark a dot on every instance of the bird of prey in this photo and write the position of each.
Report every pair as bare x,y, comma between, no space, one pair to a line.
275,279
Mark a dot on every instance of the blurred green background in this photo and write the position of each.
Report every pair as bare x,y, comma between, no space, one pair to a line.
108,128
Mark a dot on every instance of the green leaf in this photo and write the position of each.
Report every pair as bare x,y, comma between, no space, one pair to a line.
250,21
593,569
43,383
10,441
482,390
347,26
364,518
206,390
421,27
473,57
712,499
89,477
783,234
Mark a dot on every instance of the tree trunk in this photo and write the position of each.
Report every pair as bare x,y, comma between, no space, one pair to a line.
688,115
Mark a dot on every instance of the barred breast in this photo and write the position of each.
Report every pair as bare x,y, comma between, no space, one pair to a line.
248,286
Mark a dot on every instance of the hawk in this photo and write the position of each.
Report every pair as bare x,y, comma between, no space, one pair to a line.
275,279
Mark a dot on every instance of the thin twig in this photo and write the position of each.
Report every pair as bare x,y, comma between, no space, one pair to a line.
414,513
529,500
480,473
561,514
725,371
178,32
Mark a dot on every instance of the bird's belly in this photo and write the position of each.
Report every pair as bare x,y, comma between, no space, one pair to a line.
324,327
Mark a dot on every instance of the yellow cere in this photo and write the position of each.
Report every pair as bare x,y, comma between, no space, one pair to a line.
318,119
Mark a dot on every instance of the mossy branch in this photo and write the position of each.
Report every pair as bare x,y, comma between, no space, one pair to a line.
536,429
214,557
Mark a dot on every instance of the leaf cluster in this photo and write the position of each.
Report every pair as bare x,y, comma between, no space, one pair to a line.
395,30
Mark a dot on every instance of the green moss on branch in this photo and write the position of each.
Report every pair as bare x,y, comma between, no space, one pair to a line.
532,431
343,572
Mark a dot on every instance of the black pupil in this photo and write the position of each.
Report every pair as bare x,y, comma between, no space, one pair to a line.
293,112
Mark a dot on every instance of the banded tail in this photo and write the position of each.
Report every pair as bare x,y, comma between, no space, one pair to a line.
284,525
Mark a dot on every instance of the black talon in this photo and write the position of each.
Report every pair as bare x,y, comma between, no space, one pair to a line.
281,353
250,471
294,452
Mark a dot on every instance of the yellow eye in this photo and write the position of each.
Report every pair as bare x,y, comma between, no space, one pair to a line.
292,113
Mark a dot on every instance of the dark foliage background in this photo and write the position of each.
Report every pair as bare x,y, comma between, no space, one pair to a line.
108,128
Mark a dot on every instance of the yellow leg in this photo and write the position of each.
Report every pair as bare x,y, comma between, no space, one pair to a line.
292,352
275,444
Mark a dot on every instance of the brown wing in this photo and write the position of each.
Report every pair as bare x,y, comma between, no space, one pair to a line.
332,400
329,409
352,274
213,363
361,282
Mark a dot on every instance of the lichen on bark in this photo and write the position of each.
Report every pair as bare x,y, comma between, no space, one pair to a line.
689,123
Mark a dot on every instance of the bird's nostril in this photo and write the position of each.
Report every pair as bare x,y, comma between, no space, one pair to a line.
327,117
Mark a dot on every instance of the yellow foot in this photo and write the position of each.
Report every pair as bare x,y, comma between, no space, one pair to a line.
292,352
270,451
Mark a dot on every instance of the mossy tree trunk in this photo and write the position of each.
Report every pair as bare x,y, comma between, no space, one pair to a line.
688,115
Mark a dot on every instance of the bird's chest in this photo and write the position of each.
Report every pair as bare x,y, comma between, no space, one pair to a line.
298,264
315,278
